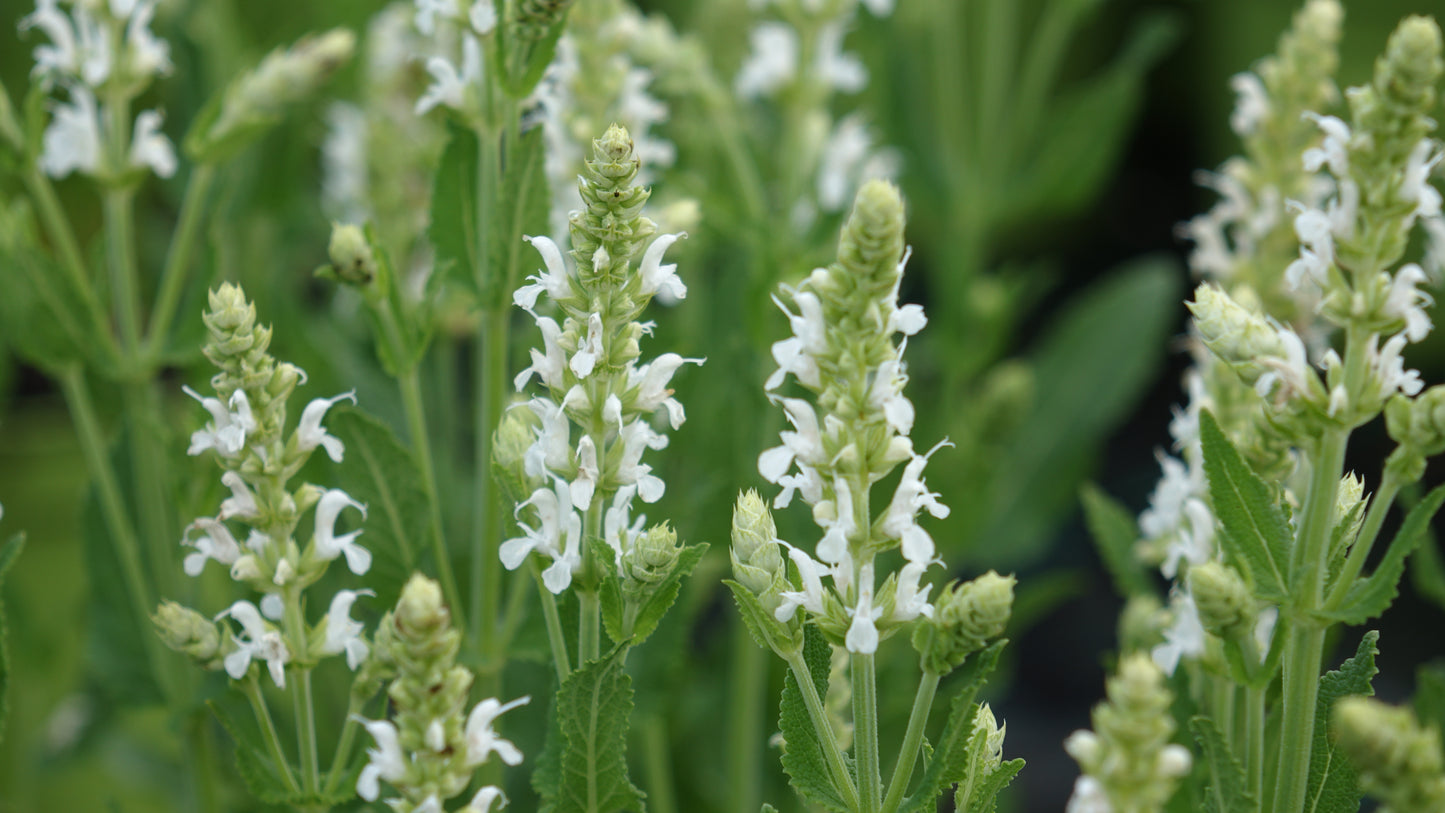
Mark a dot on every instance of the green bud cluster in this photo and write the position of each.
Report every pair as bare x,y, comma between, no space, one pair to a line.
610,230
965,618
756,556
352,259
1400,762
1128,752
1236,334
515,434
534,19
649,560
239,347
1226,606
1141,624
1418,423
191,633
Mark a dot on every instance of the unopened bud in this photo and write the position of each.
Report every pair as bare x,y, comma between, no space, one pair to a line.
1226,607
756,559
651,558
871,243
229,309
352,260
1411,65
1235,334
1399,760
186,630
515,434
966,617
420,606
1142,624
1418,423
534,18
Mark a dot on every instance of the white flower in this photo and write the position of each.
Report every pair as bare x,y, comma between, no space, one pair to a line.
1416,184
482,802
636,438
909,602
552,451
833,547
558,534
1334,150
387,760
427,12
482,741
1387,367
840,71
1165,513
1317,252
1292,371
1406,301
147,54
72,139
651,381
1194,544
216,543
772,62
1434,245
885,393
620,532
1089,797
847,160
879,8
309,432
658,277
262,641
911,496
328,544
805,445
548,365
862,634
552,280
226,433
241,503
585,485
589,350
79,49
1252,106
449,87
483,17
342,633
1185,638
810,597
273,607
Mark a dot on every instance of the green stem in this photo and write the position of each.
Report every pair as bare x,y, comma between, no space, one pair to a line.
824,730
1254,718
202,761
660,798
589,627
747,686
555,636
120,248
62,236
1304,647
152,480
1223,708
865,732
416,423
1380,506
306,727
486,573
912,739
252,689
178,257
343,747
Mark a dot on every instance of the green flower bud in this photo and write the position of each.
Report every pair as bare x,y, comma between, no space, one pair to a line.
186,630
965,618
651,559
1142,624
1226,608
757,560
352,260
514,436
610,230
871,243
1235,334
1410,68
1419,422
1399,761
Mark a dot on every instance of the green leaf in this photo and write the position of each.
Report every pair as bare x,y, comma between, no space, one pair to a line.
116,654
593,707
951,753
803,758
767,631
1115,532
9,552
1091,367
1430,695
1229,791
1370,596
1333,787
524,210
983,794
1256,534
454,209
381,473
42,314
259,771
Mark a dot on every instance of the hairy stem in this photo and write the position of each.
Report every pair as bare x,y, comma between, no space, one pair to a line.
178,257
824,730
420,441
252,688
912,739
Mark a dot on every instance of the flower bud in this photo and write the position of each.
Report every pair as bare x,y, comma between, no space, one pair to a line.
651,559
515,434
229,311
871,243
186,630
966,617
757,561
420,606
1411,66
1226,607
1399,761
535,18
352,260
1418,423
1142,624
1235,334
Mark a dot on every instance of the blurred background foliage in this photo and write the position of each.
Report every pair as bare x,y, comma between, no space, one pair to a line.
1047,152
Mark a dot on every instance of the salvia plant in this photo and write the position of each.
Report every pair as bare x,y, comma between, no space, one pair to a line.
590,262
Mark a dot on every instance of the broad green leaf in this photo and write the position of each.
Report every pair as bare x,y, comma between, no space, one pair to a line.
593,707
116,653
765,629
1256,534
1370,596
9,552
1229,789
1115,532
1332,786
547,768
259,771
524,209
983,794
381,473
803,758
1091,367
42,315
455,209
951,752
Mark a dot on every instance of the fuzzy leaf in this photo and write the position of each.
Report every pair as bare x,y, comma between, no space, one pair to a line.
1333,787
983,793
767,631
951,753
1115,531
803,755
593,707
1229,789
1256,534
454,209
381,473
524,210
1370,596
9,552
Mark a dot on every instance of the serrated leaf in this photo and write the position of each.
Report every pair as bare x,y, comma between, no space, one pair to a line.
42,315
454,209
524,209
593,707
258,770
767,631
950,759
381,473
1229,788
1332,785
1256,534
983,797
803,758
9,552
1370,596
547,770
1115,531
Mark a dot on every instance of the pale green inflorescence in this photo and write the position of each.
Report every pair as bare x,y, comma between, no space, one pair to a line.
1128,764
430,748
592,381
1400,762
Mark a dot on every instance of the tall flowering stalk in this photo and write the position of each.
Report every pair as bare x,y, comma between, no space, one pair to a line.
844,319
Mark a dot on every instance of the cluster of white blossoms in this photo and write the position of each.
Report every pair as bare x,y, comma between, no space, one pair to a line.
842,350
588,366
101,54
457,27
246,435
